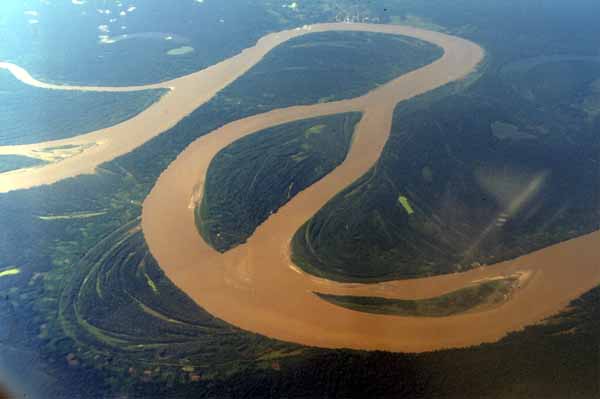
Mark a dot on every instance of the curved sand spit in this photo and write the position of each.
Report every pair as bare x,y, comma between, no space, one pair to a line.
254,286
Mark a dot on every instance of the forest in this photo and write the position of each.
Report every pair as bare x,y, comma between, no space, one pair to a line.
540,115
493,168
253,177
30,114
474,297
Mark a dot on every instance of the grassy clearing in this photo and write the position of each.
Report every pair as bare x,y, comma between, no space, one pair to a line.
314,130
181,50
10,272
151,283
406,204
77,215
279,354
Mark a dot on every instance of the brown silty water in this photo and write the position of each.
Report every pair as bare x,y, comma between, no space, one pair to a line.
255,286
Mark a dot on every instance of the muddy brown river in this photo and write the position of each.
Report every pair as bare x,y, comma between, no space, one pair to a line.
255,286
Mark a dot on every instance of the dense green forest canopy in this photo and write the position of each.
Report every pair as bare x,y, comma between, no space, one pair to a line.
531,114
322,67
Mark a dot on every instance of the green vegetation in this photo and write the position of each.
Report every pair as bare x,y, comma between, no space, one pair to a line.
305,70
181,50
104,310
117,282
555,359
10,272
328,66
30,114
464,157
467,299
406,204
254,176
13,162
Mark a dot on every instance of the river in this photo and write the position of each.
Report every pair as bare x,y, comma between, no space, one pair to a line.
255,286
